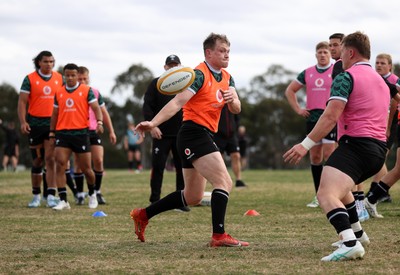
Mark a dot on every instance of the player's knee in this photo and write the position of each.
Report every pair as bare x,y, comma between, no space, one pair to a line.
193,199
36,170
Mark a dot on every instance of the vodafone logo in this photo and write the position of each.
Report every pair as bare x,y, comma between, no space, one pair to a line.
46,90
187,151
319,82
219,96
69,103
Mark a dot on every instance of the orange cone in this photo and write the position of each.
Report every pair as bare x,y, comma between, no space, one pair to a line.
251,212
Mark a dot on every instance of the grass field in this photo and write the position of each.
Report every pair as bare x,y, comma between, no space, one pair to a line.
287,238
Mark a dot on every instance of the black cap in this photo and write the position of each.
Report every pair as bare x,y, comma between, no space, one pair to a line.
172,59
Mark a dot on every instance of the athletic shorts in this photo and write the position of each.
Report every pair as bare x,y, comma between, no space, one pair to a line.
359,158
9,150
38,135
133,147
194,141
94,138
228,145
77,143
331,137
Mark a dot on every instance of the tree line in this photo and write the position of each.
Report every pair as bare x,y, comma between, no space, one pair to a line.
271,125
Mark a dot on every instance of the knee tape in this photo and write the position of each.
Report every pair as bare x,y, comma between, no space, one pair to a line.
37,153
36,170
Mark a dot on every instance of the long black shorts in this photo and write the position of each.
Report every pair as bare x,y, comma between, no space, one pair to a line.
359,158
194,141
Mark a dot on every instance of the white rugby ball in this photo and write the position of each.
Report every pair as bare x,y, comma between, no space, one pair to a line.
175,80
206,200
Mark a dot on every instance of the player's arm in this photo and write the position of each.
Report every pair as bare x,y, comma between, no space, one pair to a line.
109,125
53,120
232,100
290,94
22,104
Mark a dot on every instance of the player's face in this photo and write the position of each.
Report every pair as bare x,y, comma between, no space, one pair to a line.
171,65
219,56
382,66
323,57
46,64
334,48
83,78
71,77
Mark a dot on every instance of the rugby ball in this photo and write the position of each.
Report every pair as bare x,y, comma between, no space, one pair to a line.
206,200
175,80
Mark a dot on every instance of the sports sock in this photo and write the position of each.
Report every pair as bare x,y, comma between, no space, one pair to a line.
51,191
171,201
79,177
339,218
36,191
70,182
44,183
219,202
316,171
99,177
62,192
379,191
353,218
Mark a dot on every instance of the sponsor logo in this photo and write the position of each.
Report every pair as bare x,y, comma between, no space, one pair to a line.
319,82
183,78
47,90
69,103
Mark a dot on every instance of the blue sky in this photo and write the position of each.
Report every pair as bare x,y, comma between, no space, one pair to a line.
109,36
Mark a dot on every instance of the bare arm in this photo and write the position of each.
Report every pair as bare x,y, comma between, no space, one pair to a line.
290,94
109,125
231,98
166,112
22,104
325,124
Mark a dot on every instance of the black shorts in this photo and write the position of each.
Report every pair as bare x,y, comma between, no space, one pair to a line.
228,145
38,135
194,141
332,135
77,143
94,138
9,150
359,158
133,147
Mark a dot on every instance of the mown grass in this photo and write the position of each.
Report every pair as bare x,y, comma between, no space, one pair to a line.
287,238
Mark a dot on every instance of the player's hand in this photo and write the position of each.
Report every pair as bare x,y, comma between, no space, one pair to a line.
143,127
304,113
113,138
295,154
25,128
99,129
156,133
227,95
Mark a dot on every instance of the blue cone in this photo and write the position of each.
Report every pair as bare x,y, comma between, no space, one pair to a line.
99,214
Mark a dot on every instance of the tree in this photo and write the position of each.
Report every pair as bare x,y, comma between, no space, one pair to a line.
270,122
137,78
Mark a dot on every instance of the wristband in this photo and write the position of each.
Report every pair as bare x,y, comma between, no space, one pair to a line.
99,122
308,143
52,131
52,136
